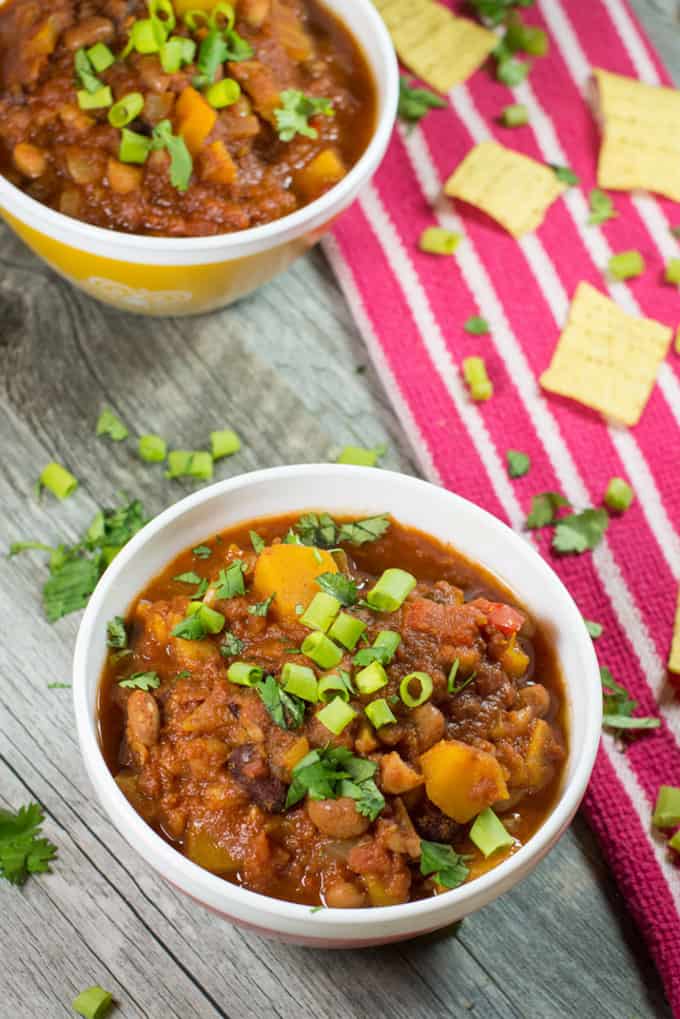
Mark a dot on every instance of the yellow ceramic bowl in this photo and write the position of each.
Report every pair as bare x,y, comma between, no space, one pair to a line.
185,276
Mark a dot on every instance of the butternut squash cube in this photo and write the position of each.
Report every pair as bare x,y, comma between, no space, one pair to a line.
324,170
542,753
217,166
195,119
462,780
290,571
202,849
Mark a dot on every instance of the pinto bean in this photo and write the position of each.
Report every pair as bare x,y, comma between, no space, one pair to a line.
143,719
537,698
248,765
338,818
345,895
430,725
88,32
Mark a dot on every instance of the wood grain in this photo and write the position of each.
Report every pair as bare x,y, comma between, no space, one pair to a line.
281,368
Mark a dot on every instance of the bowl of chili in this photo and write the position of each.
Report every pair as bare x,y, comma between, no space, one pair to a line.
455,749
168,157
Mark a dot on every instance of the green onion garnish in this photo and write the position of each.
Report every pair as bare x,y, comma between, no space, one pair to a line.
474,372
211,55
359,456
628,264
222,10
425,684
336,716
224,443
163,11
370,679
93,1003
176,52
152,448
223,93
515,115
335,684
667,810
618,495
98,100
489,834
146,36
184,463
195,19
110,424
244,674
391,590
435,240
301,681
321,611
212,621
673,271
58,481
84,71
379,713
134,148
101,57
389,641
126,109
321,650
346,630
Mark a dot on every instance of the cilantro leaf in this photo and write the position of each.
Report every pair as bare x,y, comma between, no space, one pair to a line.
362,531
27,546
293,115
580,531
443,863
319,531
22,851
414,103
286,710
231,646
375,653
594,629
231,580
327,773
112,528
202,552
601,207
618,706
493,12
141,681
476,326
340,586
188,578
369,800
563,173
191,628
181,163
519,464
511,71
261,608
544,508
70,586
257,542
116,634
111,425
613,721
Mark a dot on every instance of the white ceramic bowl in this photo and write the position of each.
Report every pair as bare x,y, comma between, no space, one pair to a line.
356,491
188,275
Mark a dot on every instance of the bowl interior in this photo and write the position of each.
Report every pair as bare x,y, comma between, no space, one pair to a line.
357,491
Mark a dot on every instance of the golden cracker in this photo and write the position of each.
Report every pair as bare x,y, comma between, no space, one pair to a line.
640,135
436,46
513,189
674,656
605,358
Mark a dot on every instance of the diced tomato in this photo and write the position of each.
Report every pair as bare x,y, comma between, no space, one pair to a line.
501,616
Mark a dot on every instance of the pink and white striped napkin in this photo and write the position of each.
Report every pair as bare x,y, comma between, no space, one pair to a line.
410,308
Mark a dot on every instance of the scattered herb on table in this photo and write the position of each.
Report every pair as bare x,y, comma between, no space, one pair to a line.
360,456
414,103
476,326
601,207
565,174
544,509
443,864
594,629
618,495
618,706
57,480
110,424
93,1003
579,532
23,850
519,463
435,240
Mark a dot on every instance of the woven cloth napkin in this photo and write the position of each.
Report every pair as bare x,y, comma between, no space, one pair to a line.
410,308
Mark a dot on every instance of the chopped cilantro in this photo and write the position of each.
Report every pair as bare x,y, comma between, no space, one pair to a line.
58,686
518,463
544,509
292,117
184,674
322,531
442,863
181,163
618,706
188,578
601,207
202,552
564,174
231,581
376,653
261,608
509,69
191,628
494,12
27,546
116,634
231,646
414,103
111,425
286,710
362,531
580,531
594,629
141,681
257,542
476,325
69,588
22,850
330,772
340,586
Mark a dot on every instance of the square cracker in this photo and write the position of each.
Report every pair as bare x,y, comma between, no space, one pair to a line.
441,49
641,135
674,656
513,189
605,358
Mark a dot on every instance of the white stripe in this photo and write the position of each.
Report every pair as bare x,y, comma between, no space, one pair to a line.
632,41
402,267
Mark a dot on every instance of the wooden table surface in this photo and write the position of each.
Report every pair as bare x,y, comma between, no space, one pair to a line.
287,369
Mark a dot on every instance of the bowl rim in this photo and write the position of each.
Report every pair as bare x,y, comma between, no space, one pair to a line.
378,51
212,890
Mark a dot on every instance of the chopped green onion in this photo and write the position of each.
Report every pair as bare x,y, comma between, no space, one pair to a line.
489,834
618,496
527,38
321,650
93,1003
336,716
184,463
176,52
126,109
628,264
58,481
425,684
134,148
224,443
673,270
601,207
379,713
564,174
163,11
212,621
515,115
195,19
301,681
593,628
152,448
211,55
435,240
334,684
98,100
667,810
84,71
321,611
359,456
244,674
474,372
391,590
225,11
146,36
223,93
674,843
476,326
390,640
346,630
370,679
110,424
101,57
